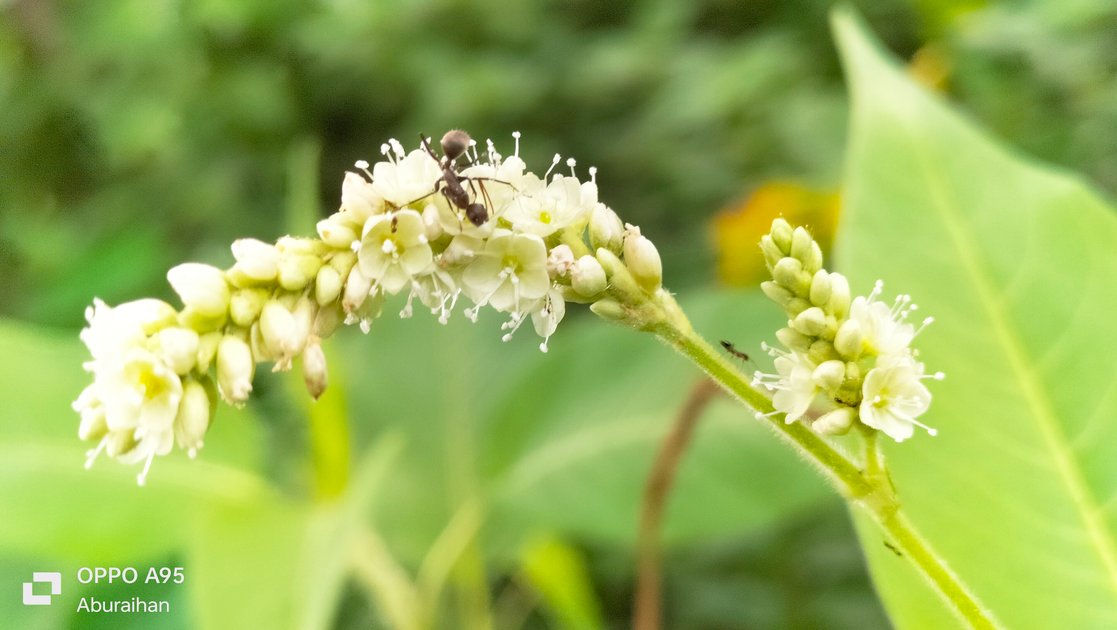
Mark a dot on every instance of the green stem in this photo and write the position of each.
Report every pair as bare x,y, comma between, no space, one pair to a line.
871,492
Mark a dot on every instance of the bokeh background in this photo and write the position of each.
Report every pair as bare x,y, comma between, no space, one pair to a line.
138,134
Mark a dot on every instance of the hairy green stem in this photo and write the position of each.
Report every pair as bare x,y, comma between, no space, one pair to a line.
869,490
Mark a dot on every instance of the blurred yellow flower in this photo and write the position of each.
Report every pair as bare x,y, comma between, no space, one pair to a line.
736,230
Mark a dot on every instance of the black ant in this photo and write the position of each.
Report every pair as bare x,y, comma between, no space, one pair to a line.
731,348
454,144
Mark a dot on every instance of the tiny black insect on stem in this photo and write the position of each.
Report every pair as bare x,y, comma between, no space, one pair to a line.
731,348
893,548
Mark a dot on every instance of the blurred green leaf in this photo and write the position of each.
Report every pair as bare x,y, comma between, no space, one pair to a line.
558,571
1018,264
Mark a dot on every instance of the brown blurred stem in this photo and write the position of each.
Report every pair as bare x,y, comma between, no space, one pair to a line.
647,609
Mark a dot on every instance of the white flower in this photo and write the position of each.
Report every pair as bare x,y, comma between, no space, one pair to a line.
546,210
112,330
136,396
794,388
193,417
359,199
235,367
547,316
510,273
406,180
394,250
893,397
883,329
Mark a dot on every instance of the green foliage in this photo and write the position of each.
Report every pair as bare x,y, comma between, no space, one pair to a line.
1017,262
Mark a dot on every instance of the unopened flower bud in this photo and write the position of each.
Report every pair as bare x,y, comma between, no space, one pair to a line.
207,350
357,288
201,287
776,293
771,251
328,320
829,374
315,373
178,347
820,288
796,305
193,417
559,261
336,233
788,273
256,260
298,246
821,351
588,276
848,340
794,339
810,322
245,305
839,295
278,329
609,309
643,260
296,271
343,262
800,243
327,285
812,262
781,235
837,422
235,367
606,229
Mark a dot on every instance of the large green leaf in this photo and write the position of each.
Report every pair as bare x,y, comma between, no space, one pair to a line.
1018,264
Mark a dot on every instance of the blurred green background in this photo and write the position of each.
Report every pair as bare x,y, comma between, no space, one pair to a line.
136,135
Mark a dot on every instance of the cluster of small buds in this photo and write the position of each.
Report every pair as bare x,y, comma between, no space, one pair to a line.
416,223
849,360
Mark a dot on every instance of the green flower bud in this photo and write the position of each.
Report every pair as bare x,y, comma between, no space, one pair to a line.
821,352
201,287
587,276
609,309
837,422
605,229
207,349
796,305
295,272
178,347
193,419
199,322
278,330
771,251
801,244
315,374
781,234
336,233
235,368
257,262
839,295
776,293
617,273
848,340
245,306
343,262
829,374
327,285
357,288
820,288
643,260
328,320
788,273
813,261
794,340
810,322
296,246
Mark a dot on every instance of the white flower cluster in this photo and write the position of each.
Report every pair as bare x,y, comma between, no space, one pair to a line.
848,360
438,228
